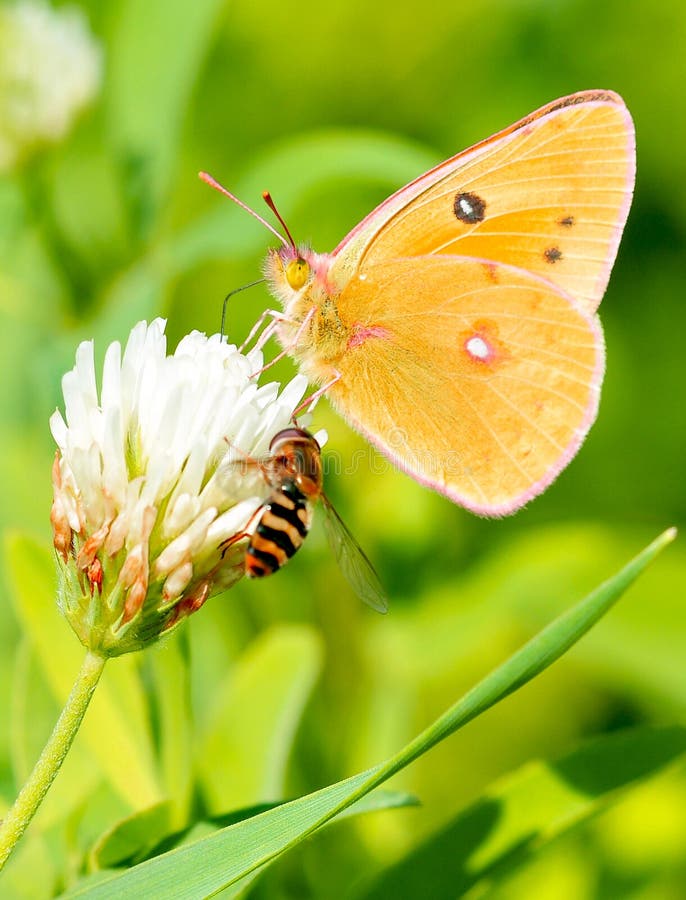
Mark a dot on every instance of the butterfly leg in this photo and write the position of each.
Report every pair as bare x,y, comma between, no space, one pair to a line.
268,313
286,350
269,331
309,402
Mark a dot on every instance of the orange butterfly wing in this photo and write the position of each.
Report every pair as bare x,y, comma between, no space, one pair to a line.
550,194
477,378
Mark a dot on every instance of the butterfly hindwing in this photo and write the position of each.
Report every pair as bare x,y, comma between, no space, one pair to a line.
478,378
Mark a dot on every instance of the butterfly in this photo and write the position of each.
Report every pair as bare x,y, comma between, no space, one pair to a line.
455,327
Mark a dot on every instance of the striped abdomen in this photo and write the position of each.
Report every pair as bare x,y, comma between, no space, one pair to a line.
280,531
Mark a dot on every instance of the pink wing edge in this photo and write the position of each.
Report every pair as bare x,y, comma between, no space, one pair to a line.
604,276
597,97
505,509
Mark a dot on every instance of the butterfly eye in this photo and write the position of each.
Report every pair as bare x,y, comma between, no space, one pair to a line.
297,273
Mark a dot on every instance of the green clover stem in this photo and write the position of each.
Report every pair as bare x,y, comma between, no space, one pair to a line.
31,795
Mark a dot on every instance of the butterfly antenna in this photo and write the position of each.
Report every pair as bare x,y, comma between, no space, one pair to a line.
208,179
267,197
226,300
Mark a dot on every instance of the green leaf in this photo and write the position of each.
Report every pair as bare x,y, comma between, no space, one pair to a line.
254,717
133,836
115,728
157,50
87,227
376,801
146,833
142,834
234,853
520,814
170,669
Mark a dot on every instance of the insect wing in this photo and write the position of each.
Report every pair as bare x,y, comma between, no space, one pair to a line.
248,472
549,194
353,561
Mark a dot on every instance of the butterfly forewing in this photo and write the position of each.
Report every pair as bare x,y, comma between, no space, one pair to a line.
353,561
550,194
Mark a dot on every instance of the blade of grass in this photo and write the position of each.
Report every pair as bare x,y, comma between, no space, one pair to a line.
148,833
207,866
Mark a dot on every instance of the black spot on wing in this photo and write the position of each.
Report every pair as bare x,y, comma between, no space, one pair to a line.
566,221
552,254
469,208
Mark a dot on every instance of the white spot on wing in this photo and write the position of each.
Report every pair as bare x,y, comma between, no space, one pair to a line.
478,348
466,207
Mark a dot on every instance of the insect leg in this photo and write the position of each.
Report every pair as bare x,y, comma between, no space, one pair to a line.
240,535
271,328
268,313
309,402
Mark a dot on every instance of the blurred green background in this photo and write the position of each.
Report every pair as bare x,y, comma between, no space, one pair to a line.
331,107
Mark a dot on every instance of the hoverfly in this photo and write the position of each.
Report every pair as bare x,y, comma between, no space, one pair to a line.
293,472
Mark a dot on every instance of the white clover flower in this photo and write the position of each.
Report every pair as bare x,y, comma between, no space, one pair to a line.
50,69
146,486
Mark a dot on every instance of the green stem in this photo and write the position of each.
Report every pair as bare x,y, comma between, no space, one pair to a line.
31,795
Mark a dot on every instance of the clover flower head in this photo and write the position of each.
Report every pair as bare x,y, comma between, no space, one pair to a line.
50,69
148,487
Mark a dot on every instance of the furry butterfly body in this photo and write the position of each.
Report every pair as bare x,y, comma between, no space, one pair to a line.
455,326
